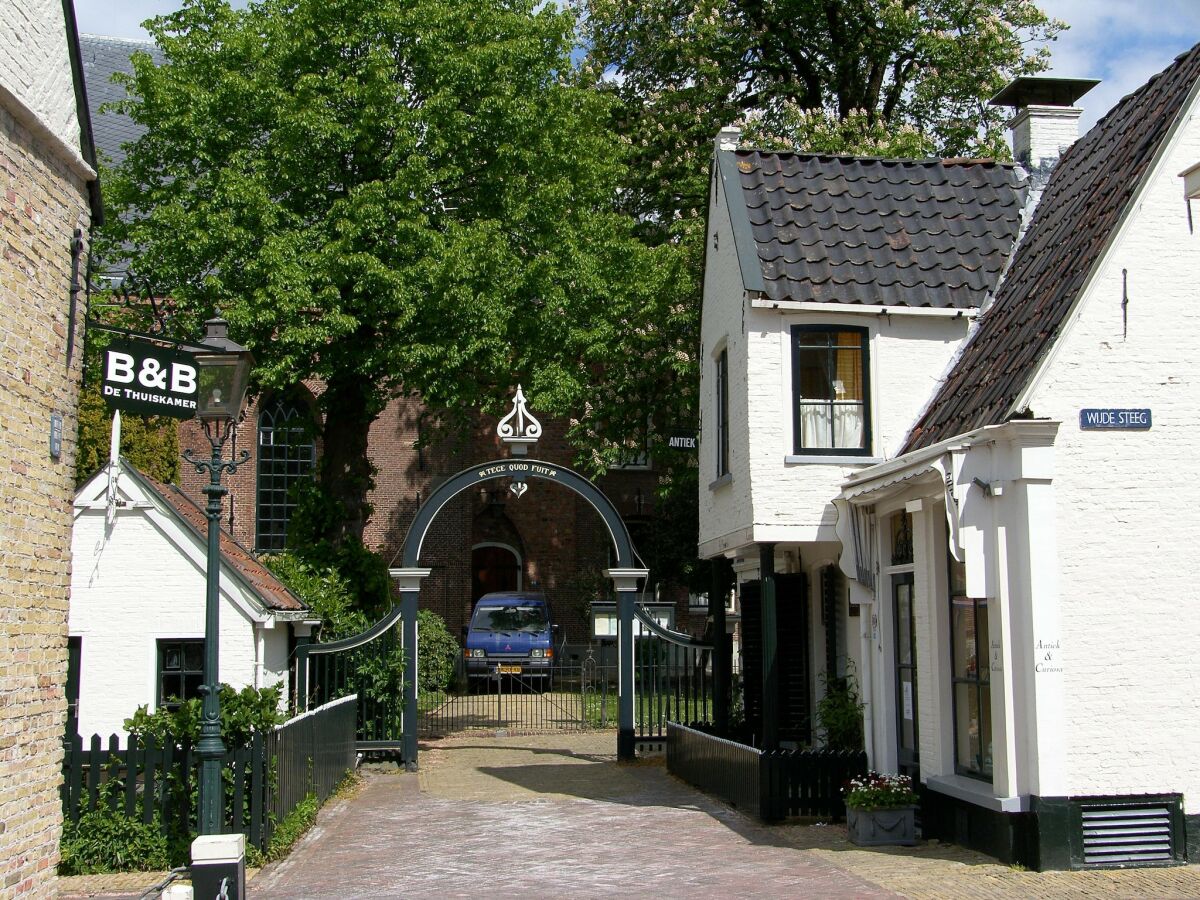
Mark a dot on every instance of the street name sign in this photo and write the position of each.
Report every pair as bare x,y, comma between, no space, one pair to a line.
1114,419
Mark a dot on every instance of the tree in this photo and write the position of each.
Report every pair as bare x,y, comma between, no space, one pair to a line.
844,74
394,197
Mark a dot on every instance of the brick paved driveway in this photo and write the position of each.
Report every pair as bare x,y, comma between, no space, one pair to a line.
555,815
547,815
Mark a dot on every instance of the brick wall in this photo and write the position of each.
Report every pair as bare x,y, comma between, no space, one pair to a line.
41,204
560,536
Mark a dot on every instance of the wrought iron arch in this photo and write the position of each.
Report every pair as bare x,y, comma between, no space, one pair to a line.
518,469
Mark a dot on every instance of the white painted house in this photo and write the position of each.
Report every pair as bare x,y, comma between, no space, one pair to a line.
837,290
1028,637
136,623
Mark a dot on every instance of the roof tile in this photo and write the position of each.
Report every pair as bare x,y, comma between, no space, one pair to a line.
880,231
1080,210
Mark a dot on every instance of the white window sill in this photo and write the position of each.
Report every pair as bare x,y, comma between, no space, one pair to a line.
977,792
832,460
725,479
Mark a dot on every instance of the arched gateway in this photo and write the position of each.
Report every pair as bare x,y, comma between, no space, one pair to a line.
519,430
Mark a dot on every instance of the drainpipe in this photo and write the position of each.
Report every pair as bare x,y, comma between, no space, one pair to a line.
259,652
866,683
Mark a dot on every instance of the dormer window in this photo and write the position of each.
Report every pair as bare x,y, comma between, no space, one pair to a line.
830,390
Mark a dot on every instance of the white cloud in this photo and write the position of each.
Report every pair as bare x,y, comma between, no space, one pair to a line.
1121,42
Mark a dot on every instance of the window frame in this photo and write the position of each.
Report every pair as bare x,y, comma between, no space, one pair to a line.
721,395
975,682
297,416
160,647
864,334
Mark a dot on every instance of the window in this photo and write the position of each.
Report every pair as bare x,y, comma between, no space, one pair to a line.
722,387
285,456
180,671
831,409
971,678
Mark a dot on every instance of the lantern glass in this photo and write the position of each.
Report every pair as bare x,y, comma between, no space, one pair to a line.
224,374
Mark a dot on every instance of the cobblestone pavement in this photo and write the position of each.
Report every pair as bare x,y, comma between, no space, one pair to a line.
556,815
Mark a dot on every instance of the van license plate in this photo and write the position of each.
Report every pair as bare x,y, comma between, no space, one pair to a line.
509,670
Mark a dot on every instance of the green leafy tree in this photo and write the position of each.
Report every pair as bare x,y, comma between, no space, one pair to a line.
392,197
326,592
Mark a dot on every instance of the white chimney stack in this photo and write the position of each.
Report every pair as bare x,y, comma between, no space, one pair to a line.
1046,121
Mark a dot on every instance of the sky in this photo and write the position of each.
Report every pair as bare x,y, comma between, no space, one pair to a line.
1121,42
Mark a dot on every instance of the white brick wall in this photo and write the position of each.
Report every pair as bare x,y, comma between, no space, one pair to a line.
1129,506
907,354
35,66
769,499
132,585
726,510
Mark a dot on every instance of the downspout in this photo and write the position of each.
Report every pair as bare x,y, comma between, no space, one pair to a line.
259,652
866,682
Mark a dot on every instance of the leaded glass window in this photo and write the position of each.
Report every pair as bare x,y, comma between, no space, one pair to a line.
971,678
830,390
286,456
180,671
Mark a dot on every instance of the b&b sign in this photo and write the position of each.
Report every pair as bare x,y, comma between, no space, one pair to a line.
150,381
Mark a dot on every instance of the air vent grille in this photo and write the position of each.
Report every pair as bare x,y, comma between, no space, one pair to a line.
1127,834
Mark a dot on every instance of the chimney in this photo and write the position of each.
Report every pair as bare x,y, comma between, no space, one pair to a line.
729,137
1046,121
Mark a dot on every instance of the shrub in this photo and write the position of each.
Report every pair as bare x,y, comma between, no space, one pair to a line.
439,652
839,713
324,590
243,713
106,840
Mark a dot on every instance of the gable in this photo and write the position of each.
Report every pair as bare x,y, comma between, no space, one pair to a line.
1085,203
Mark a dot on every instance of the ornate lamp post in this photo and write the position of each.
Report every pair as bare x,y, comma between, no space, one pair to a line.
224,373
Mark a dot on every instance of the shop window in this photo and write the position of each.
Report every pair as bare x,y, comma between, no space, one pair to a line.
286,456
180,671
830,394
902,539
971,678
722,411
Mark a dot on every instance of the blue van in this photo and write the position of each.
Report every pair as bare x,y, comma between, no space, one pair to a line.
510,634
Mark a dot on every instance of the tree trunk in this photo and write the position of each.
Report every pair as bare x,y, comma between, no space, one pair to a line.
346,473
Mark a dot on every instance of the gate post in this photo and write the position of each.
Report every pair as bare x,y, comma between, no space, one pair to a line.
409,583
625,581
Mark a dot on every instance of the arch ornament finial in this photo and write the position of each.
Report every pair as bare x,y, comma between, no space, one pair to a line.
519,429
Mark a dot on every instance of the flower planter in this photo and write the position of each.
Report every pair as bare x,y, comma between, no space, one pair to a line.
881,827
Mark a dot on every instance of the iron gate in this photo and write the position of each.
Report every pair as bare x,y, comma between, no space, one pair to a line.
576,694
672,681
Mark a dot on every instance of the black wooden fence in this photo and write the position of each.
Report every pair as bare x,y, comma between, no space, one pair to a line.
771,785
264,781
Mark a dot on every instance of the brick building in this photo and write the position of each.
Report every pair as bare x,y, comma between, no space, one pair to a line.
550,538
48,202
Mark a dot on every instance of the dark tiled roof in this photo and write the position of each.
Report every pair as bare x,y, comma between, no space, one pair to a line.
102,57
1078,215
921,233
269,588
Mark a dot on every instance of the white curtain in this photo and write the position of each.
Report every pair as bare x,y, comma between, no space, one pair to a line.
846,432
847,426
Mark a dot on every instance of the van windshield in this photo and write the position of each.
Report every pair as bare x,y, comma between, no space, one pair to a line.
518,617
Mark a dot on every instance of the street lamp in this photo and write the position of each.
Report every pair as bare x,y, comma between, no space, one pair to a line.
224,372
